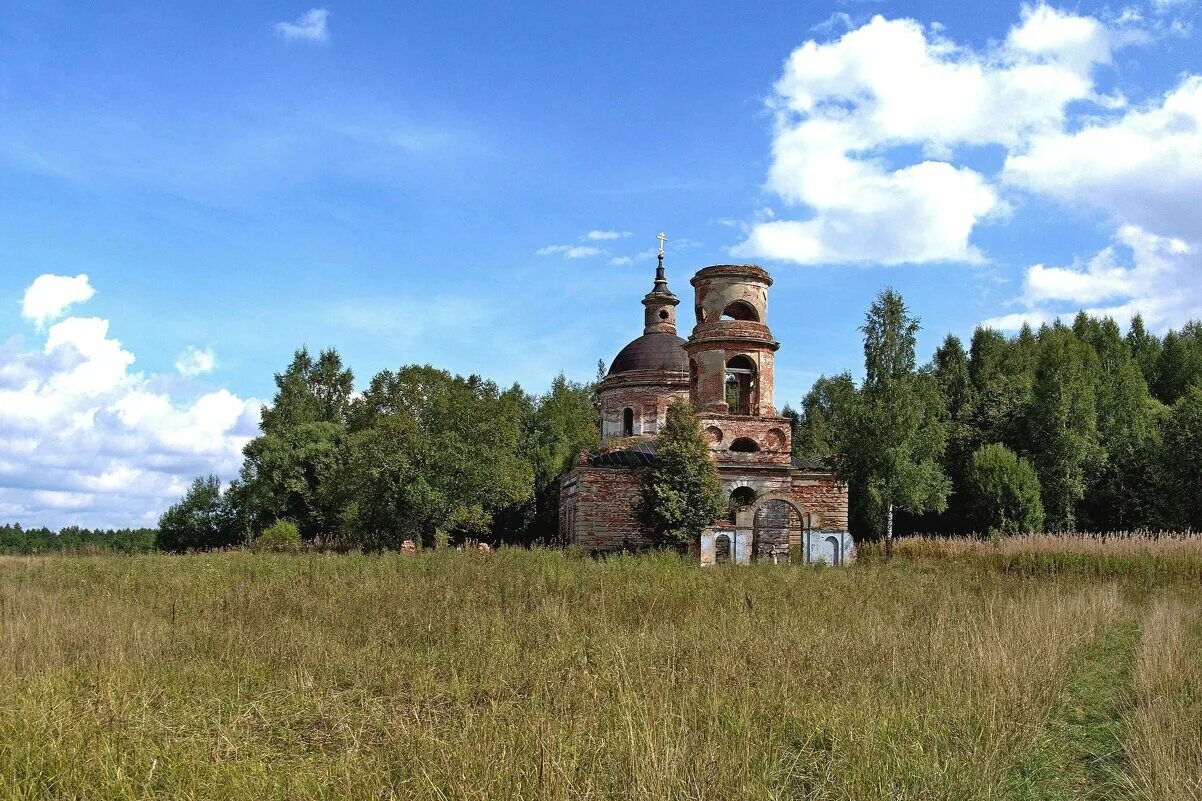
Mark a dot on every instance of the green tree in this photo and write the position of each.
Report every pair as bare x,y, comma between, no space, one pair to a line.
892,448
309,391
1179,365
560,425
1145,348
287,470
1003,492
794,418
1002,374
950,370
1063,424
429,455
1123,491
282,536
823,413
1183,459
201,520
681,493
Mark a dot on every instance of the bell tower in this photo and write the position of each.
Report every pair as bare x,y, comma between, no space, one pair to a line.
731,350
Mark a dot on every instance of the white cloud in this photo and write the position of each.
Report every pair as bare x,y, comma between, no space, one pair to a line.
195,361
848,109
839,19
310,27
1144,166
1016,320
603,235
570,251
84,439
1142,272
877,148
49,296
619,261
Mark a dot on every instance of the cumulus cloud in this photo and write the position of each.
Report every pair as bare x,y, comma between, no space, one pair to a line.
1144,166
49,296
878,142
86,439
852,114
603,235
308,27
1142,272
195,361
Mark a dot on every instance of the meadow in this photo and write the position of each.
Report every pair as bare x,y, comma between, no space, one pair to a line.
957,671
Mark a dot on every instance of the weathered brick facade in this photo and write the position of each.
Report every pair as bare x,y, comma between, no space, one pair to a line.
597,508
780,506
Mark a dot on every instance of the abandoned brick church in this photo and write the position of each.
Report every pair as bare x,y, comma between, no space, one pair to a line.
781,508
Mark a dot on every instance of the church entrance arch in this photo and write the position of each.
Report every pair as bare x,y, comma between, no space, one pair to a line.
778,524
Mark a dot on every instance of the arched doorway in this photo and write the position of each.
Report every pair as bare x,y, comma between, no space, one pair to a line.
778,530
721,549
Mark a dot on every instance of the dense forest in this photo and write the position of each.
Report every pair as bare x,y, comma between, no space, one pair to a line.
1068,427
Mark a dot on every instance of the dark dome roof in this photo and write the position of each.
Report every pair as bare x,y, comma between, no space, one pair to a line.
652,352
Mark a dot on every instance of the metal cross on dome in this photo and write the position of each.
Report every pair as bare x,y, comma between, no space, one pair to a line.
662,237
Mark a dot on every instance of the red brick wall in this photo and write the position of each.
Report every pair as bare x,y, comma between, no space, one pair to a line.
821,494
597,508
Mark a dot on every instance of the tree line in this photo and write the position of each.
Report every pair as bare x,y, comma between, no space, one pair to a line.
420,455
15,540
1068,427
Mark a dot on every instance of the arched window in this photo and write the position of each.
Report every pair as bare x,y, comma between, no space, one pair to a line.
628,422
744,445
740,499
740,310
835,551
740,384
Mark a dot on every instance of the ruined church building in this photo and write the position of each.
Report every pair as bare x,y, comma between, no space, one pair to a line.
781,509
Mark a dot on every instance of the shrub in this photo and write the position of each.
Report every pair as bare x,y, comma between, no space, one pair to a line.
1004,492
282,536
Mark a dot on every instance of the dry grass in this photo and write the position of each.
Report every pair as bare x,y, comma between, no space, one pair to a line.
1165,741
1149,557
530,675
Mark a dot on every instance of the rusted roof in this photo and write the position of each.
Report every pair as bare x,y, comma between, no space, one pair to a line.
652,352
810,464
638,454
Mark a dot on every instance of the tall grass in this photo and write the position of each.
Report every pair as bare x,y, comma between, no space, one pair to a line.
528,675
1151,557
1166,722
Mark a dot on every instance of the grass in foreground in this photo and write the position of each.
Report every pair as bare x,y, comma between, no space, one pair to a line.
532,675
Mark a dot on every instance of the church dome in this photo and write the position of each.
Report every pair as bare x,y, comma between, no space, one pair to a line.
658,351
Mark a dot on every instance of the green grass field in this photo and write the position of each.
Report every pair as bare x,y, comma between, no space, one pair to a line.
532,675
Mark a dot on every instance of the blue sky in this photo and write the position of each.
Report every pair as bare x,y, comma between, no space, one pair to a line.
418,183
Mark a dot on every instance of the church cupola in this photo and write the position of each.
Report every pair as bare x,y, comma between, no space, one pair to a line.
659,304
